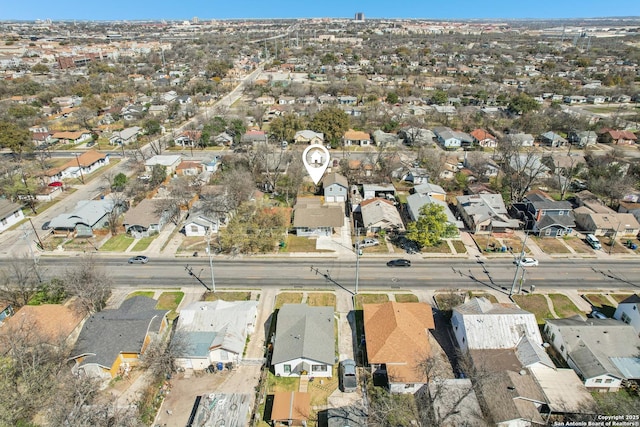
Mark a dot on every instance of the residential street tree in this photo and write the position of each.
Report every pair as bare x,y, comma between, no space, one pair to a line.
19,281
332,122
16,138
90,283
431,227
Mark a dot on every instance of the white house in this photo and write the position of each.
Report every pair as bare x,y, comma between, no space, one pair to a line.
214,332
304,341
603,352
628,311
10,214
170,162
481,324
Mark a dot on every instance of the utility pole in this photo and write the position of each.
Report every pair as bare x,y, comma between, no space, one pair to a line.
80,168
357,256
515,276
31,252
213,282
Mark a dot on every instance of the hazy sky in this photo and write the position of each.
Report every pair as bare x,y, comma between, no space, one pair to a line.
216,9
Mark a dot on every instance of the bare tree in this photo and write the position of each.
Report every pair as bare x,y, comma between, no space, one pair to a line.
522,168
19,281
90,283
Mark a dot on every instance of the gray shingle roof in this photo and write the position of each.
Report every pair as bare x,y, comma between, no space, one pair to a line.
8,208
304,332
108,333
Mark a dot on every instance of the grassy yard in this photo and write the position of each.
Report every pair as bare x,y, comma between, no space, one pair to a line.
563,306
578,245
441,248
485,241
117,243
276,384
484,295
536,304
514,244
406,298
170,301
321,299
144,243
192,244
459,246
620,297
618,248
227,296
148,294
551,245
300,244
362,299
288,298
601,303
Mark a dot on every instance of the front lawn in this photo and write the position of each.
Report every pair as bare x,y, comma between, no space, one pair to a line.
321,299
148,294
578,245
620,297
144,243
490,297
440,248
563,306
459,246
288,298
300,244
227,296
362,299
170,301
406,298
118,243
536,304
551,245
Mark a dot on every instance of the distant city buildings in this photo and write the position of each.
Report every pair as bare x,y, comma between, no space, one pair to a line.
359,17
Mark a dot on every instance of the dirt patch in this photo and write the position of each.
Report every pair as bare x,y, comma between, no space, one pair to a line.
551,245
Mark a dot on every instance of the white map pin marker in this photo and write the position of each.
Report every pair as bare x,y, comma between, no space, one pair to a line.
316,159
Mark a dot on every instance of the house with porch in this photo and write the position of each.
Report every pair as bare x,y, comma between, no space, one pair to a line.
356,137
88,215
300,345
544,216
617,137
485,213
603,352
380,214
450,139
214,331
143,219
308,137
311,218
397,342
78,167
552,139
483,138
416,201
126,136
113,340
72,137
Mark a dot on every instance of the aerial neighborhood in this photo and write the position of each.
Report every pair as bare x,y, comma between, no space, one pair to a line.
320,222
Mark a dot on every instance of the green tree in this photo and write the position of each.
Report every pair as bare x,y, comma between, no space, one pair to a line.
40,69
119,182
217,125
15,138
22,111
217,69
439,97
431,227
284,128
392,98
523,103
332,122
152,127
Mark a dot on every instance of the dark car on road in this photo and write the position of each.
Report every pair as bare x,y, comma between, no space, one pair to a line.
348,381
140,259
401,262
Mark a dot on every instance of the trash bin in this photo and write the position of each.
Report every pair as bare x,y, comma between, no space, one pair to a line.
503,249
219,366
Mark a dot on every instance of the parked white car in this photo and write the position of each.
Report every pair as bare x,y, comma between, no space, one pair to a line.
527,262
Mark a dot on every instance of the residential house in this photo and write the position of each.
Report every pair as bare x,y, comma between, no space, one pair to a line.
603,352
290,408
214,331
304,341
169,161
72,137
552,139
596,99
397,342
10,214
200,224
312,218
189,168
188,138
611,136
143,220
450,168
113,340
483,138
519,139
87,216
254,138
371,191
335,187
55,325
223,139
383,139
417,136
308,137
485,213
432,190
454,403
125,136
347,100
416,176
211,165
77,168
630,207
345,416
380,214
606,221
416,201
544,216
449,138
628,311
157,110
513,400
356,137
583,138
